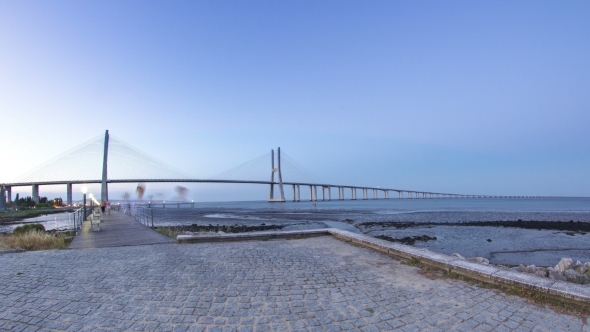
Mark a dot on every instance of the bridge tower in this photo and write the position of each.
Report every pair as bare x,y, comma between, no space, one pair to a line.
272,177
104,190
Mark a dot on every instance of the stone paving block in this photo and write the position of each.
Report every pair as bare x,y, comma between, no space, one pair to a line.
317,283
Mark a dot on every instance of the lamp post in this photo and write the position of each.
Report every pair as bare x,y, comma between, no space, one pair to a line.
84,192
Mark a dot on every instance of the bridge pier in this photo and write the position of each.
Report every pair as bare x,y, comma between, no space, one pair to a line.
386,194
35,193
298,193
353,194
2,198
315,193
375,194
69,194
365,194
8,194
409,195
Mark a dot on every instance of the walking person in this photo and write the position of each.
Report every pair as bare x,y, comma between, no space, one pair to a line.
103,205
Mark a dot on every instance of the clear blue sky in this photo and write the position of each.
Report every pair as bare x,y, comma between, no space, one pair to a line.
468,97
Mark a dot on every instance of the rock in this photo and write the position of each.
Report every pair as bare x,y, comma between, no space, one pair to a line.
479,260
541,272
564,264
456,255
531,269
555,274
489,240
573,276
581,269
521,268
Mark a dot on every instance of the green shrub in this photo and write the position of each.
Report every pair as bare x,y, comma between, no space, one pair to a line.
28,228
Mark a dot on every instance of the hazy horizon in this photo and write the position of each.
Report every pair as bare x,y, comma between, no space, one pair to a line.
462,97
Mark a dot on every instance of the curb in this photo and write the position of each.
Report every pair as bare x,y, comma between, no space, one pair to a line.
560,290
11,251
253,236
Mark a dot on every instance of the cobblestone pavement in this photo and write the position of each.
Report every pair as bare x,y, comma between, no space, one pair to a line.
315,284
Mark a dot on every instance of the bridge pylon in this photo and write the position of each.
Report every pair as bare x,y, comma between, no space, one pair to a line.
104,190
272,177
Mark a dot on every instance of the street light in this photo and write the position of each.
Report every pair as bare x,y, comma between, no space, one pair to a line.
91,201
84,192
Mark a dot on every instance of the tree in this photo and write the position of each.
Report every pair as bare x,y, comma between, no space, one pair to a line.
57,202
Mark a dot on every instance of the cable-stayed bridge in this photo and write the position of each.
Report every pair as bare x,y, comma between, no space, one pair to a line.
108,159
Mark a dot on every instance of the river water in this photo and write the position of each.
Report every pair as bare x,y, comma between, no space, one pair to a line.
55,221
487,234
489,228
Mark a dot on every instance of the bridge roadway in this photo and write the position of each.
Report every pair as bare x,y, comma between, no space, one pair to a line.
296,189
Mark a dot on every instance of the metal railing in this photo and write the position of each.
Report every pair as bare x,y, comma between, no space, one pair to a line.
163,205
142,214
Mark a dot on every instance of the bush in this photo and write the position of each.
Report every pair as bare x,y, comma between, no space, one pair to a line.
43,206
28,228
34,240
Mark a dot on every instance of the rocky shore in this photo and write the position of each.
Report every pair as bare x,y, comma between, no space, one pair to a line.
581,227
194,228
565,270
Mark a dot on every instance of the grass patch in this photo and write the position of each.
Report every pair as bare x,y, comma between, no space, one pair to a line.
169,232
16,215
370,310
34,240
412,262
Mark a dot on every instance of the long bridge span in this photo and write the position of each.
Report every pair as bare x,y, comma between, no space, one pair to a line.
56,171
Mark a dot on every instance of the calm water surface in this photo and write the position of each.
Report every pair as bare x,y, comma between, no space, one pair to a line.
501,245
440,218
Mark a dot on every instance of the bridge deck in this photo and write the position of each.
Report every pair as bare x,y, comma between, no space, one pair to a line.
116,230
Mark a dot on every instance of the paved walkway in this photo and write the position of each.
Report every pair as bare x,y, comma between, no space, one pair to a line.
117,230
313,284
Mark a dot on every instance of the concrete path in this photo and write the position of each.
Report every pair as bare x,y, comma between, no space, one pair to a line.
311,284
117,230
